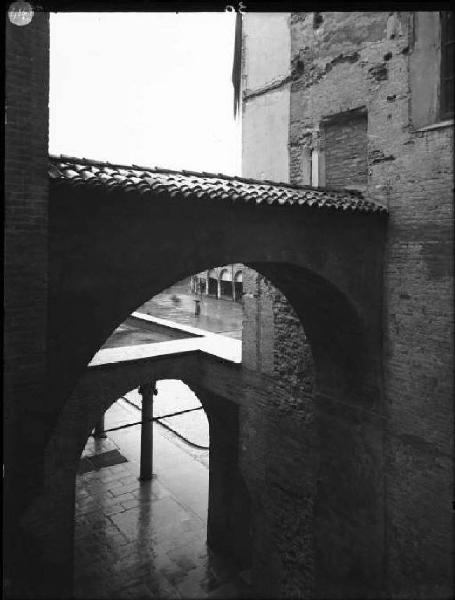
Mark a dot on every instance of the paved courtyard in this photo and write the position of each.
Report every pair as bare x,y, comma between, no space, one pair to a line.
148,539
177,304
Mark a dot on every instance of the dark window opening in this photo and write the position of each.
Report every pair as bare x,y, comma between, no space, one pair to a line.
213,287
226,288
238,291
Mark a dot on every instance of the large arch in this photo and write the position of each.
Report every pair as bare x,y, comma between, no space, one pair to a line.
110,251
328,469
343,408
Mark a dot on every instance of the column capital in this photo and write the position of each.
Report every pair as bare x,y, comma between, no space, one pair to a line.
148,390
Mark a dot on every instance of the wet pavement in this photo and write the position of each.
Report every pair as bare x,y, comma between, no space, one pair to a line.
177,304
148,539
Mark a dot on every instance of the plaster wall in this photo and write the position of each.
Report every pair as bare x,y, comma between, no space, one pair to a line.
265,136
266,66
267,49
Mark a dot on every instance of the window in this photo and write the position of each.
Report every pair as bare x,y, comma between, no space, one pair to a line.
345,143
447,51
431,68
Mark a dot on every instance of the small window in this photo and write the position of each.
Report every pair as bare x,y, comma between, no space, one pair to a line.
447,51
345,143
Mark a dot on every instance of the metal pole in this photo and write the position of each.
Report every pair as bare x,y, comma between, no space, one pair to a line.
147,392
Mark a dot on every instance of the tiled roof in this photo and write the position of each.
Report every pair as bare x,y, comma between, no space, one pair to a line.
189,184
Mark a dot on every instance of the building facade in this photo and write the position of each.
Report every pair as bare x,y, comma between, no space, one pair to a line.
220,282
365,101
347,455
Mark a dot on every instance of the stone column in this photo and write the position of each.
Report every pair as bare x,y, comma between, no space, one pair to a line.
147,392
207,278
99,432
233,283
218,289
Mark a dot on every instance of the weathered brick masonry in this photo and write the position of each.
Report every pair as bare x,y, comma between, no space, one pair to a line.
25,334
359,84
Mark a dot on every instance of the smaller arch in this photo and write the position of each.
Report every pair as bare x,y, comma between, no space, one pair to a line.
225,275
226,284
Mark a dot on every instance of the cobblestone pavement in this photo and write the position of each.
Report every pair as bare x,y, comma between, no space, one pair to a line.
147,539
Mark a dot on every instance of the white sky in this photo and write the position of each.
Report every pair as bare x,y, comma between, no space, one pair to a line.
152,89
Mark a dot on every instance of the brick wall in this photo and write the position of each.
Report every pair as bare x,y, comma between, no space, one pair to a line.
25,361
345,63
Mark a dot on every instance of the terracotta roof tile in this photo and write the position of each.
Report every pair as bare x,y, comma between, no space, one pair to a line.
213,186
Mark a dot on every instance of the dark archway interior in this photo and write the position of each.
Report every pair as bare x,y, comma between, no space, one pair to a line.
213,286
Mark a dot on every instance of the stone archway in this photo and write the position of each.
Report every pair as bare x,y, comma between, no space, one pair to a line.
103,247
318,258
228,508
299,458
226,283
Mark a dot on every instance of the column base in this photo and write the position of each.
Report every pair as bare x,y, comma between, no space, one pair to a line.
153,476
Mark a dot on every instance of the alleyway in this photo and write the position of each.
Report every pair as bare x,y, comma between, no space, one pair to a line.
147,540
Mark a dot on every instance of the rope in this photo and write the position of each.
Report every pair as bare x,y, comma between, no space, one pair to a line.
179,412
158,420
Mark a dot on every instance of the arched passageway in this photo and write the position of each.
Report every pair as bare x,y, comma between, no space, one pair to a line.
152,535
293,433
313,451
226,283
